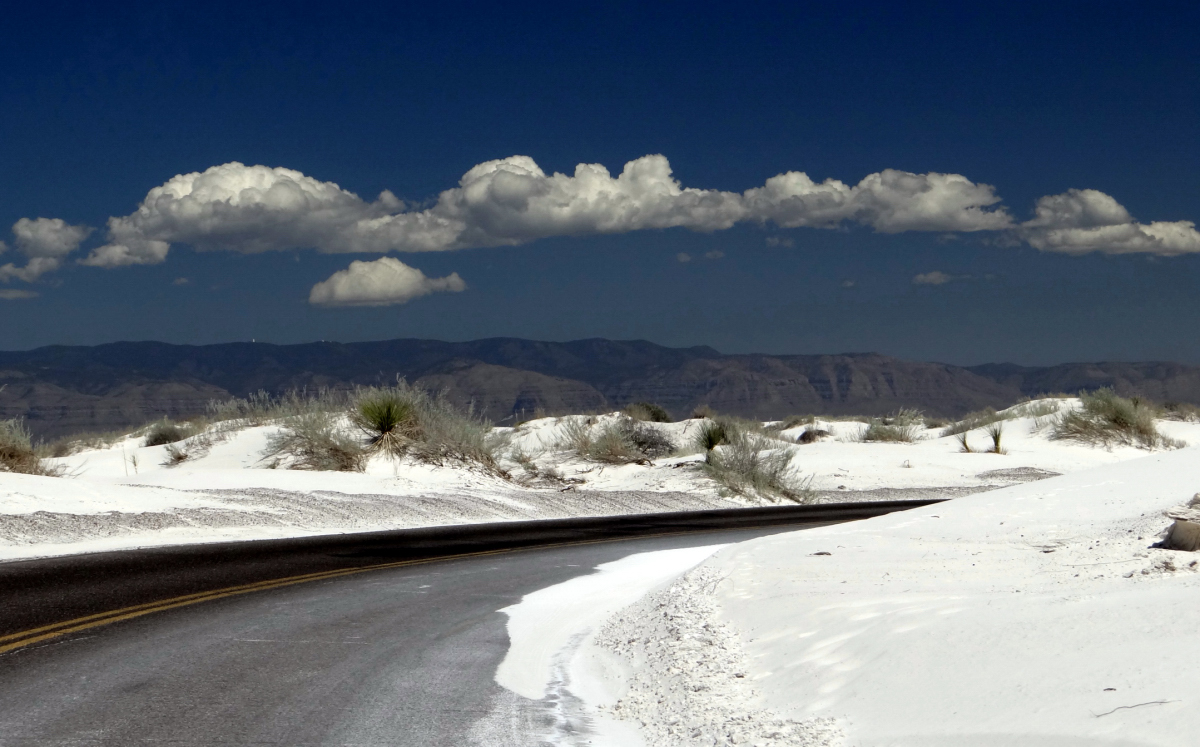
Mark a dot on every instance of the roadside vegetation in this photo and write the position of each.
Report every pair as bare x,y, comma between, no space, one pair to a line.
903,426
1105,419
18,453
622,440
749,460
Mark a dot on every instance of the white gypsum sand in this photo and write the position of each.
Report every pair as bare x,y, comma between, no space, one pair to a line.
125,495
1035,615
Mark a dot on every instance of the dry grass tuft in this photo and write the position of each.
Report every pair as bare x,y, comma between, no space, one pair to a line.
18,454
1104,419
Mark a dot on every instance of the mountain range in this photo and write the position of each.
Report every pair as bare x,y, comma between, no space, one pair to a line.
60,390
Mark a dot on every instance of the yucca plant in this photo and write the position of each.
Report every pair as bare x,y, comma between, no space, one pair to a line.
712,435
995,431
388,418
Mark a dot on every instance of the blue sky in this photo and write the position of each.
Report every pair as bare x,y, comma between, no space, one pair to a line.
967,117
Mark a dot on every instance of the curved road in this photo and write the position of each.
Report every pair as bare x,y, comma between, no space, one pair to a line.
401,655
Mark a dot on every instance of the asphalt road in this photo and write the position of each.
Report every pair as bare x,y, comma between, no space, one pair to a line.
363,639
399,656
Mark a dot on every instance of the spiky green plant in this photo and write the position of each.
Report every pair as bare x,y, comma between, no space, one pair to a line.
995,431
713,434
17,453
388,418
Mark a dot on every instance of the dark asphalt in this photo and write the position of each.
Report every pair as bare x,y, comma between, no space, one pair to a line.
403,656
396,656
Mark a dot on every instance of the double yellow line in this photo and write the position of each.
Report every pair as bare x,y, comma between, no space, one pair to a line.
14,641
29,637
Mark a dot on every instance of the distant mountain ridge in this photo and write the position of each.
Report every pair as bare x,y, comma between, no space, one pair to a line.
61,389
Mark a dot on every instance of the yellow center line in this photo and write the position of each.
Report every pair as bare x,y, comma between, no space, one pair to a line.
14,641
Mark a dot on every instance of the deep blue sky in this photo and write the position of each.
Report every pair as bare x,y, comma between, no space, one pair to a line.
100,104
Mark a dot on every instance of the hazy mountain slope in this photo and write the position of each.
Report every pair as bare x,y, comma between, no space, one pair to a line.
63,389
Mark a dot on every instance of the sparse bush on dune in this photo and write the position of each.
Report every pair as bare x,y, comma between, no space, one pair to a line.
648,412
620,441
995,431
316,441
166,431
1104,419
703,411
753,465
399,420
973,420
1180,411
903,426
18,454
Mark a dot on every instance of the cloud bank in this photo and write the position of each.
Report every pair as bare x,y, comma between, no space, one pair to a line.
512,201
384,282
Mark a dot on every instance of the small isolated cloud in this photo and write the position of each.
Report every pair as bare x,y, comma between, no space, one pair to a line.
44,242
1080,221
384,282
780,241
848,283
180,281
16,295
683,257
714,254
936,277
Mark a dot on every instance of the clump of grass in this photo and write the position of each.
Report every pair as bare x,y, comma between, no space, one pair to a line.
621,441
795,421
1104,419
1180,411
974,420
903,426
315,441
812,434
165,431
1041,408
18,454
963,444
712,434
648,412
68,445
388,418
703,411
995,431
753,465
175,456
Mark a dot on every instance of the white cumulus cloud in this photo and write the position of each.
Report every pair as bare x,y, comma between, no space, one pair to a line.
44,242
384,282
7,294
1079,221
512,201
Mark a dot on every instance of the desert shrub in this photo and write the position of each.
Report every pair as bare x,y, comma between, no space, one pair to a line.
17,452
712,434
648,412
438,431
973,420
1104,419
1180,411
77,442
753,465
1037,409
313,440
620,441
612,445
880,432
904,417
165,432
175,456
576,434
387,417
795,421
703,411
812,434
647,439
